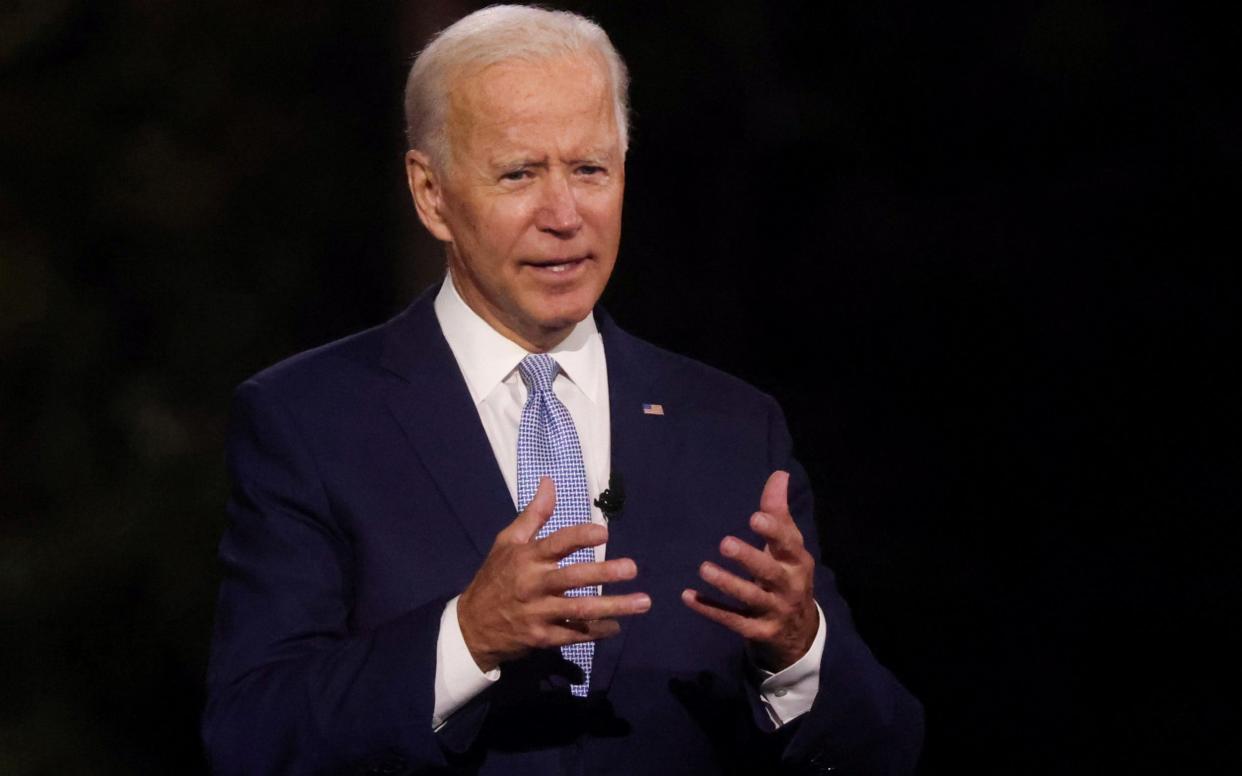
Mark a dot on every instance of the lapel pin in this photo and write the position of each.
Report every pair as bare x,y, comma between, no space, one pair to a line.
653,409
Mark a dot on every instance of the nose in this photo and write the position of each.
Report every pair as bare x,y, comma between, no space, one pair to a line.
558,209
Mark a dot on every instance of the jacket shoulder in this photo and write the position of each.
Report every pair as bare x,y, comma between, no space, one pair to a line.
311,370
707,386
354,362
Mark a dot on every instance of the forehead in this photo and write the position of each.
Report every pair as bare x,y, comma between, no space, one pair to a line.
542,106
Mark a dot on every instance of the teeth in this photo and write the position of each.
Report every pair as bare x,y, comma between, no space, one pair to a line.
562,267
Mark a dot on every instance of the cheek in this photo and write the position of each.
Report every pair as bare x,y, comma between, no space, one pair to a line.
604,212
487,234
502,228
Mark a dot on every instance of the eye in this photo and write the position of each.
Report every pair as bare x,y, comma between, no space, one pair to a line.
515,175
591,169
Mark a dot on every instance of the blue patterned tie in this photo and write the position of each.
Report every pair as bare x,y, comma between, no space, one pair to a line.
548,447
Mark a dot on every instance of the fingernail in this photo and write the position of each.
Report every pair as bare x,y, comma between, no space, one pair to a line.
643,603
708,571
760,521
728,546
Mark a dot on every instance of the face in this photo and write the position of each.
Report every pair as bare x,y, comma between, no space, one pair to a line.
529,203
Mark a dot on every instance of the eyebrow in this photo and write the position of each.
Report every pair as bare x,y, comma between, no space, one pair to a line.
516,162
594,158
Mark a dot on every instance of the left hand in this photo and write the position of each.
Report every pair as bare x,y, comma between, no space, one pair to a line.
780,618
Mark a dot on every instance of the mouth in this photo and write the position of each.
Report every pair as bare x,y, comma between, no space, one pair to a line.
558,266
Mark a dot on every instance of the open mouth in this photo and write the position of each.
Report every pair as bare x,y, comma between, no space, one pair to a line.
559,266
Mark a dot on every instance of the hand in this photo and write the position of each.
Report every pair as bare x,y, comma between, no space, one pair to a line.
780,618
516,601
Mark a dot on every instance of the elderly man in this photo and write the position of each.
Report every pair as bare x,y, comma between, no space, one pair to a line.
384,610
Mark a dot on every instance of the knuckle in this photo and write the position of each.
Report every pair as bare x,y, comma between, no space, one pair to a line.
521,590
781,608
550,545
575,576
756,597
771,568
579,609
525,589
753,631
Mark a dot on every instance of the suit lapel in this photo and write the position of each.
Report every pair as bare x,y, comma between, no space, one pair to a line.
643,450
433,406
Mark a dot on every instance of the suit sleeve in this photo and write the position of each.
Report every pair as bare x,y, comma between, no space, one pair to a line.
291,687
862,721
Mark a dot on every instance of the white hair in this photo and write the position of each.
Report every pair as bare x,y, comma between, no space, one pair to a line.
495,34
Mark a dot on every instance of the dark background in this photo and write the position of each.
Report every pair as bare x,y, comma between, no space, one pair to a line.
977,253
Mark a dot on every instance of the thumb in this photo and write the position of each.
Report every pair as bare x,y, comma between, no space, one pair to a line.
775,498
527,524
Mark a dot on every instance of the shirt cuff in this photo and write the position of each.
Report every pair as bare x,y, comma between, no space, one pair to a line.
789,693
458,678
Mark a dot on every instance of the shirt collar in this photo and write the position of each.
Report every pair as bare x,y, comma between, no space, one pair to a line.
486,357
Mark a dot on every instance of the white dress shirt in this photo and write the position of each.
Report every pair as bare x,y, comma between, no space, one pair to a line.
488,362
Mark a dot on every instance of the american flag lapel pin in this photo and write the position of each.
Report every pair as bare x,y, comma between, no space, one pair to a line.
653,409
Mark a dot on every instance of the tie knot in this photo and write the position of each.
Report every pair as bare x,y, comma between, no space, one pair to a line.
538,370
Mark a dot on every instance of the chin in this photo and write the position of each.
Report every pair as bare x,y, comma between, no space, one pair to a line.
562,310
563,319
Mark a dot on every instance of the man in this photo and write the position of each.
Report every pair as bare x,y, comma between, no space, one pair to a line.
384,610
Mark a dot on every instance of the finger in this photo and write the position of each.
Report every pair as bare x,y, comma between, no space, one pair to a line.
584,574
576,631
782,534
751,595
744,626
528,522
596,607
775,497
762,566
567,541
784,538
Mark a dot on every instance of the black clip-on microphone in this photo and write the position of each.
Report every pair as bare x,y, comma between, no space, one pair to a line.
612,500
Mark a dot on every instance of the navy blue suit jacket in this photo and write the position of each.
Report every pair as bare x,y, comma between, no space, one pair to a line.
365,495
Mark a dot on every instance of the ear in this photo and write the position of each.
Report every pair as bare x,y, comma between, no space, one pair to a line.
427,190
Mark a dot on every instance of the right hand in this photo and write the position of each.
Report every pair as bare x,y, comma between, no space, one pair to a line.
516,601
